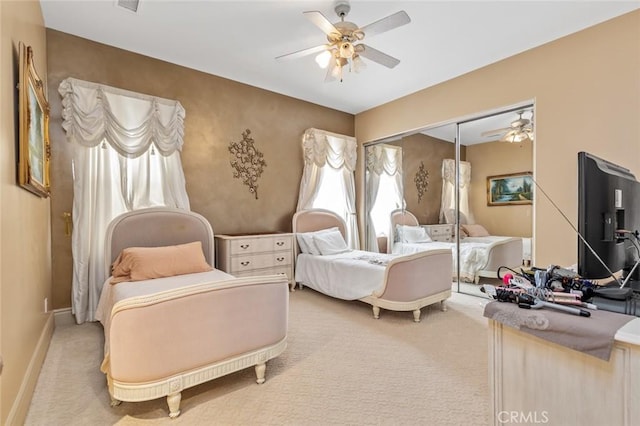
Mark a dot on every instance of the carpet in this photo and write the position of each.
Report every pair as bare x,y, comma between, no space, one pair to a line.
341,367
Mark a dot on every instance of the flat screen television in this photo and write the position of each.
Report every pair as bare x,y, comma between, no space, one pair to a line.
608,202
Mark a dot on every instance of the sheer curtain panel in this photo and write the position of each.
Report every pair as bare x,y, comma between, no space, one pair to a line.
448,205
382,160
327,154
126,156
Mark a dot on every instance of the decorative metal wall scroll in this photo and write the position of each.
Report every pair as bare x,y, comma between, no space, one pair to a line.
247,162
421,180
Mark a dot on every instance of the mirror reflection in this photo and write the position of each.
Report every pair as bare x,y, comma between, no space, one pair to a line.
412,203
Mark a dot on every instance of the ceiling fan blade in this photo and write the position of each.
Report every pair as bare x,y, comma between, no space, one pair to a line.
385,24
304,52
495,132
377,56
321,22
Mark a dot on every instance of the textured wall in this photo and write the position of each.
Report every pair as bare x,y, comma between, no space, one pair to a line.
430,151
25,245
217,112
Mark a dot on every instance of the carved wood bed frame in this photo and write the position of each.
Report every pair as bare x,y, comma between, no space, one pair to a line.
503,253
161,343
410,282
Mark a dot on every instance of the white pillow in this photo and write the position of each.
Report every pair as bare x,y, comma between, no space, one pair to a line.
330,243
304,248
306,243
412,234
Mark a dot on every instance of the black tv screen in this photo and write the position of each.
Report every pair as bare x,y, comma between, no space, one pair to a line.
608,203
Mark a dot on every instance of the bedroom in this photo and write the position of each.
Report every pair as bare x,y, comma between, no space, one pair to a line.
568,85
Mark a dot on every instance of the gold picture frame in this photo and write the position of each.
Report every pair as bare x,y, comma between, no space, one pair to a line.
34,149
514,188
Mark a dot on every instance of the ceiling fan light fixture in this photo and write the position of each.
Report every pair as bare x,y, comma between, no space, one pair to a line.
323,59
358,64
346,50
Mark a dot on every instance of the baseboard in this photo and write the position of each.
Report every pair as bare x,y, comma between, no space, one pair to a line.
18,412
63,317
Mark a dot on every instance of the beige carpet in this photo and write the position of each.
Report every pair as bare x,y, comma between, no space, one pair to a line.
341,367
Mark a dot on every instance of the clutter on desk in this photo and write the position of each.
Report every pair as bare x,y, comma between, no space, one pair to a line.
554,288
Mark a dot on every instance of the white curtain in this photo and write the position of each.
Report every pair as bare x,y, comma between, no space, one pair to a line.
381,159
126,156
323,150
448,205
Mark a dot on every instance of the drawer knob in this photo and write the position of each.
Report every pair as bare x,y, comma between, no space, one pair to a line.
280,243
279,259
245,263
244,246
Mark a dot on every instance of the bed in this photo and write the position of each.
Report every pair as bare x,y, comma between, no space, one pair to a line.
397,283
479,256
169,333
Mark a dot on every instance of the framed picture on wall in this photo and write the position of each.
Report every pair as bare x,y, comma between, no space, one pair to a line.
515,188
34,151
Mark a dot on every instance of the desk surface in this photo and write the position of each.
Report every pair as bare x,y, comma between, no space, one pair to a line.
629,333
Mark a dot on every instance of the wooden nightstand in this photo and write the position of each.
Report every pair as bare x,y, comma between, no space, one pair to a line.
441,232
257,254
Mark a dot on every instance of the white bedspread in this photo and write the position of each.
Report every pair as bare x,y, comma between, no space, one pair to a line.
474,252
113,293
349,276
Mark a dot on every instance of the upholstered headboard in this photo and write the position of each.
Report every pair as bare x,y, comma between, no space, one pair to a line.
399,217
157,227
317,219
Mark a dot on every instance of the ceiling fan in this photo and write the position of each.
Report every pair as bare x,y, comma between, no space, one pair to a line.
520,130
344,37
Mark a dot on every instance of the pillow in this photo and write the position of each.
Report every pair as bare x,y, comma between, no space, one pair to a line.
462,232
412,234
475,230
308,245
302,243
330,242
143,263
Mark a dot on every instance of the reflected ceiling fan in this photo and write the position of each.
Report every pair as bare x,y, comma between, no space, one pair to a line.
344,47
520,130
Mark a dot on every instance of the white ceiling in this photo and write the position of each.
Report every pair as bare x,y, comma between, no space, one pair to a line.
240,40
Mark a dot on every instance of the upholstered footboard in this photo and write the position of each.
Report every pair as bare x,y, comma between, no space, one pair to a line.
162,343
414,281
507,253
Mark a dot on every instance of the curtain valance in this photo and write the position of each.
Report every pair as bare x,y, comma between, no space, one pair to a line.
130,122
384,159
321,147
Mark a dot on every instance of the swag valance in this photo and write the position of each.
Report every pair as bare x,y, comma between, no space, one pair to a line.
384,158
130,122
321,147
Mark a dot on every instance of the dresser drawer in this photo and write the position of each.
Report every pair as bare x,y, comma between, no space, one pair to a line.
284,270
442,232
258,245
260,261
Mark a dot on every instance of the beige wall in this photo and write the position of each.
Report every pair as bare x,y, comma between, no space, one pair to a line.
586,89
25,248
217,112
499,158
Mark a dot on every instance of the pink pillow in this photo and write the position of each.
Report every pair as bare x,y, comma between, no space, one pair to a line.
143,263
475,230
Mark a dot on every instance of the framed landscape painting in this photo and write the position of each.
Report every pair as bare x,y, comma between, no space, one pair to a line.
34,151
515,188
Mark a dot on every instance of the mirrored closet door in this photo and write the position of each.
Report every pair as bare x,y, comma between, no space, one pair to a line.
467,183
